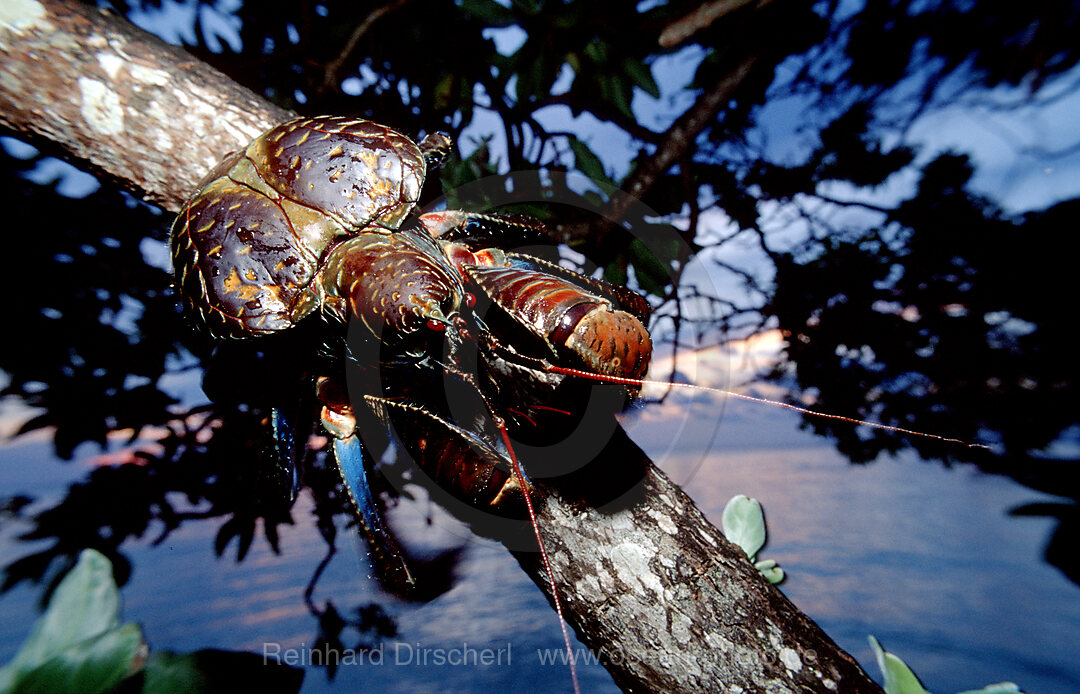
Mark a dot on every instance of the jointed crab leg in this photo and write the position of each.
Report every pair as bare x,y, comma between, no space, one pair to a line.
349,454
338,421
520,477
284,437
471,466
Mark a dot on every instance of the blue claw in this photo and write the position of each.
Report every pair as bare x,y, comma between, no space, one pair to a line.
285,452
350,459
390,562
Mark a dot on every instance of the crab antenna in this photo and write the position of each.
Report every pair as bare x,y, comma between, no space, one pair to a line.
520,477
750,398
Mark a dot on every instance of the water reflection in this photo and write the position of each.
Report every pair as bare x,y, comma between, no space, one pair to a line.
932,561
913,285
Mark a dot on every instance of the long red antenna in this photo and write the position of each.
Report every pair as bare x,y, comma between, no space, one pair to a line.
731,394
520,477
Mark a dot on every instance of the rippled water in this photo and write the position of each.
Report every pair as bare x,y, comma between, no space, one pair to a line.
925,558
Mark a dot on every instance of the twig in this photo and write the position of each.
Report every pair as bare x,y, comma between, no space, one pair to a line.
701,18
673,146
334,66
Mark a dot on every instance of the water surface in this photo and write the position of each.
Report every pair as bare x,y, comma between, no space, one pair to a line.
925,558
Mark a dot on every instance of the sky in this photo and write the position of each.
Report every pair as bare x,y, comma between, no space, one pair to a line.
1009,146
718,445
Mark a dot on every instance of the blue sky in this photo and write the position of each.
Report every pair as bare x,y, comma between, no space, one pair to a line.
1013,149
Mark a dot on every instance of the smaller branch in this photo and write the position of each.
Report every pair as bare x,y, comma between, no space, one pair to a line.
700,19
751,281
764,244
674,144
739,231
729,308
855,203
690,191
330,73
678,139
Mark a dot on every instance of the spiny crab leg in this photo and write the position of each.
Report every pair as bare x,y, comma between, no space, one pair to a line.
339,421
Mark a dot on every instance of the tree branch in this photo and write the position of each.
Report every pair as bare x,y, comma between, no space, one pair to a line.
133,108
666,601
673,146
701,18
647,581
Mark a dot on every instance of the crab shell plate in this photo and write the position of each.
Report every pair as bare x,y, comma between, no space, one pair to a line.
249,242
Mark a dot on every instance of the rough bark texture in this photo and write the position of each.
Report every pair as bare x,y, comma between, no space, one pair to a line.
134,108
646,580
666,602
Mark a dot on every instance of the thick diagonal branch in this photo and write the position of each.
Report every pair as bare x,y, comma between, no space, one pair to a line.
133,108
701,18
647,581
666,602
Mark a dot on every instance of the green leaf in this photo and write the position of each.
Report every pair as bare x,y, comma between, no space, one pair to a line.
76,647
596,51
615,273
88,667
86,604
527,86
768,568
173,672
596,200
899,679
588,163
652,274
619,93
744,524
999,688
489,12
641,75
443,94
574,61
218,671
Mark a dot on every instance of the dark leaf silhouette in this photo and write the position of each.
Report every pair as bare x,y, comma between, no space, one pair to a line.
934,310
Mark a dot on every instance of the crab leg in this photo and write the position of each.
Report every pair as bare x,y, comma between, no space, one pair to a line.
349,454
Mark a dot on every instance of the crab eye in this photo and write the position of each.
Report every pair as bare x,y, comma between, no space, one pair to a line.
470,299
436,326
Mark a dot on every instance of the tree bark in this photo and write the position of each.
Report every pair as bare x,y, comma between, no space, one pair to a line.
647,581
664,601
673,145
133,108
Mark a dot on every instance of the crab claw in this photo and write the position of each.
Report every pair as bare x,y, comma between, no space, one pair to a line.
611,342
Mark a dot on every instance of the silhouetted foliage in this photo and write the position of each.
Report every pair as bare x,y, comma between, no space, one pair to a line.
95,323
942,303
936,313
